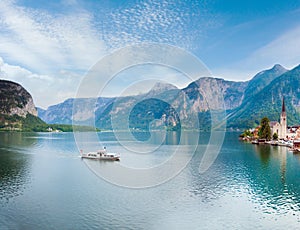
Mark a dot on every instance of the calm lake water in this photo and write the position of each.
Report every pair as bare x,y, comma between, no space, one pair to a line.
44,184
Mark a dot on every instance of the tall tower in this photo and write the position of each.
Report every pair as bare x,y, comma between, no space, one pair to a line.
283,122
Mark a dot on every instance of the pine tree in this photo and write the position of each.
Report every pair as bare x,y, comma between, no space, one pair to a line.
265,130
275,136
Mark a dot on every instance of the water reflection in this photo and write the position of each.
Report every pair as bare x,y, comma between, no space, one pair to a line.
245,183
184,138
273,185
15,140
282,153
264,152
172,138
14,166
168,137
269,176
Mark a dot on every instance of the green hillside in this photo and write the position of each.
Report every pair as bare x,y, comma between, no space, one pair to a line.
268,102
261,80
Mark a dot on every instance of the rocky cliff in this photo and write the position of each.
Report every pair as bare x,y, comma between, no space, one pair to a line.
17,110
15,100
208,88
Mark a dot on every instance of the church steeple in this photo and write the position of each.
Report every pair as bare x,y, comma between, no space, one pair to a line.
283,106
283,121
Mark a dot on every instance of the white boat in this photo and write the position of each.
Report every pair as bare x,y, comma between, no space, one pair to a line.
100,155
255,142
290,144
274,143
282,143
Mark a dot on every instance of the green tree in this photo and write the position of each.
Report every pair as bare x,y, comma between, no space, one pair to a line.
265,130
275,136
246,133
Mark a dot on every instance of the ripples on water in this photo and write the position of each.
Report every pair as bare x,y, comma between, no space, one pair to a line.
14,174
45,185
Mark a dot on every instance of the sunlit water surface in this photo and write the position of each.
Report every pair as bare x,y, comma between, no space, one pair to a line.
44,184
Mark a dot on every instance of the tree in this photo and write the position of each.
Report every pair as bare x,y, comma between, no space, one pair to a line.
275,136
246,133
265,130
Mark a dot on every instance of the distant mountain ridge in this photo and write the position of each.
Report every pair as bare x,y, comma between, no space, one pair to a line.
262,79
166,105
106,107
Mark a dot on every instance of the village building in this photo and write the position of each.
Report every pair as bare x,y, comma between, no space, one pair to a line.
280,127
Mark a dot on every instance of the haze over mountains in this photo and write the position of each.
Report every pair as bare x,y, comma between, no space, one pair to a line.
165,105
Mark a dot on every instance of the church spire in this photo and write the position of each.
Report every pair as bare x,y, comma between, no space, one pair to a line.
283,106
283,121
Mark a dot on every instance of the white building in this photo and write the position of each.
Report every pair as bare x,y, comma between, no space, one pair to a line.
280,128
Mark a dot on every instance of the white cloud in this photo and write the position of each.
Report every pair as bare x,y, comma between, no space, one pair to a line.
179,23
47,50
45,42
45,89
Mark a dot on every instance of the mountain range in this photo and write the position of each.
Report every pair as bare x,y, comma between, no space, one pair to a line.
18,112
244,104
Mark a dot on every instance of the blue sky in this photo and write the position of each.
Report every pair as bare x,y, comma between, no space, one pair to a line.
48,46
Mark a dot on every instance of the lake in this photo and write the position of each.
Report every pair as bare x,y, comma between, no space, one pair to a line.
44,184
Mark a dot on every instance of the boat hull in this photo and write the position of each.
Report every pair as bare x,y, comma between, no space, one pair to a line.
100,156
109,158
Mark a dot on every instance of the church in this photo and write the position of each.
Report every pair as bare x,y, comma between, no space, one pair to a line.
280,127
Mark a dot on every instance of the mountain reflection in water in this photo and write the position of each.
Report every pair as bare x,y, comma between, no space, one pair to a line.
44,184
